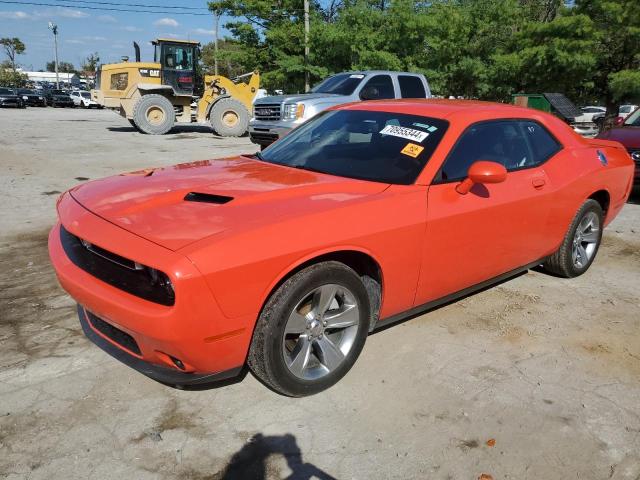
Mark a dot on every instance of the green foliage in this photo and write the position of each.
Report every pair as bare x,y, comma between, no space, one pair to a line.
12,47
90,64
63,67
486,49
11,78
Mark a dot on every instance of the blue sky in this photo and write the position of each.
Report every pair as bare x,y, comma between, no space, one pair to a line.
109,33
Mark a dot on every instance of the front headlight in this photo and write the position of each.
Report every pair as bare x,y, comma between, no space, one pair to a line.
24,97
40,98
293,111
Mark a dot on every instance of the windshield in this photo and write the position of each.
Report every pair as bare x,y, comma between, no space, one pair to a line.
85,94
343,84
5,91
633,119
24,91
58,92
377,146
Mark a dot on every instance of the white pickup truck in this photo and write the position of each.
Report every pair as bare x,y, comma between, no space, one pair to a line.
274,117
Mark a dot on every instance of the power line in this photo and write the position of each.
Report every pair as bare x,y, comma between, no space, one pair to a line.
135,5
14,2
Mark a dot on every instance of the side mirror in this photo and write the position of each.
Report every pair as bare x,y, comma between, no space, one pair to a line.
618,121
369,93
482,171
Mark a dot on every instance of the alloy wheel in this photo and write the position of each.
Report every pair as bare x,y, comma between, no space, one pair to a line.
320,331
585,240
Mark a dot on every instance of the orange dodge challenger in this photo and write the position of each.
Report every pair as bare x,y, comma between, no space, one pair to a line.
368,213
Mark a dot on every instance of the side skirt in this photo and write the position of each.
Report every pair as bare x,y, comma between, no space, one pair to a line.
425,307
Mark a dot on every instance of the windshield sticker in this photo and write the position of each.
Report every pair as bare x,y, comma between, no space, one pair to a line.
429,128
404,132
355,75
412,150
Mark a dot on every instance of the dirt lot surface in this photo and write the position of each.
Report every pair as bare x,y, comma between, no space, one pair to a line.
537,378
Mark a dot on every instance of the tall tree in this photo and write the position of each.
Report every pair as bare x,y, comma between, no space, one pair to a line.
12,48
90,63
617,50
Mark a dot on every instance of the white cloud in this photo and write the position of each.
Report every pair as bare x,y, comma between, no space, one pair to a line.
75,41
69,13
130,28
166,22
18,15
169,35
95,39
107,19
203,31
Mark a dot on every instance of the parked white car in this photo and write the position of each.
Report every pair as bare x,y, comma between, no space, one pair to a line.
625,110
83,99
588,112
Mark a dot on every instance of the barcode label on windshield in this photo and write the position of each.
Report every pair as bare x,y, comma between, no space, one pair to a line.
404,132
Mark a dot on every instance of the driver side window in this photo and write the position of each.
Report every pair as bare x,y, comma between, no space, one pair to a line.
516,144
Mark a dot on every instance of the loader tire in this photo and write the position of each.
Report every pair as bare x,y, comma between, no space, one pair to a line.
153,114
229,118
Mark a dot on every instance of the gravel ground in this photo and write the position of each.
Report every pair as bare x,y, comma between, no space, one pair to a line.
538,377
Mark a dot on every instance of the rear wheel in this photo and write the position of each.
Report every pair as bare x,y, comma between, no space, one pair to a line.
311,330
153,114
580,244
229,118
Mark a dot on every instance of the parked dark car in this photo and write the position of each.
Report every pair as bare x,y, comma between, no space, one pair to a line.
59,98
31,98
628,134
8,98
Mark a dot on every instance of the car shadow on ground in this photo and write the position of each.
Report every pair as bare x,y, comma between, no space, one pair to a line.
253,460
175,130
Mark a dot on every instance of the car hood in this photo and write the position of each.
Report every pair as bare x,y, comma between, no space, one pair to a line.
301,97
628,136
176,206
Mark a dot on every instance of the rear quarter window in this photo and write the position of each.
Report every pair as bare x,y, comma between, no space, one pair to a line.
411,87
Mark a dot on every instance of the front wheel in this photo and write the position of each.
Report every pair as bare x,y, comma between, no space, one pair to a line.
311,330
153,114
580,245
229,118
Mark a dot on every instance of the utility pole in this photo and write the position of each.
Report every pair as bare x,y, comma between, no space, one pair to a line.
306,45
216,22
54,28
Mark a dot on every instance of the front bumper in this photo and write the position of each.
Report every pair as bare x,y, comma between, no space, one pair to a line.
265,133
193,330
10,102
168,376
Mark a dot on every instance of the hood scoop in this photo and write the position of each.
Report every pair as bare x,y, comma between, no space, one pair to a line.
207,198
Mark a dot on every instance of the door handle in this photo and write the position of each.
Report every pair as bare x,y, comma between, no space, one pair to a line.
538,182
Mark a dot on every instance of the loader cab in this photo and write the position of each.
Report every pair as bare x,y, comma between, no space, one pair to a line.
179,61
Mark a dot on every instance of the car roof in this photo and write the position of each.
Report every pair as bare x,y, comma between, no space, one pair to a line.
371,72
445,109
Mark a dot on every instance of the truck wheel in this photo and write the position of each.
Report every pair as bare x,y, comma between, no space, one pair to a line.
133,124
229,118
153,114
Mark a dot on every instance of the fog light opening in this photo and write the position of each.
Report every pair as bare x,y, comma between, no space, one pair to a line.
177,362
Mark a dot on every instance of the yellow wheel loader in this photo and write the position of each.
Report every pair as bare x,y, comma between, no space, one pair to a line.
155,96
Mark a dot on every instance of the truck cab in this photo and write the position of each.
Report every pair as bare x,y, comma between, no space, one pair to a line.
275,116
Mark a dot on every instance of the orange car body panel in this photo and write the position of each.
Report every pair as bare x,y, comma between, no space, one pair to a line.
224,260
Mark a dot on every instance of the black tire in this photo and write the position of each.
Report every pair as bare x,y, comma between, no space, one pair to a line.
266,359
229,118
153,114
132,123
561,262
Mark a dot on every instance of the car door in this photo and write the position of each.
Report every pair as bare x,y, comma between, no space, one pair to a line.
378,87
495,228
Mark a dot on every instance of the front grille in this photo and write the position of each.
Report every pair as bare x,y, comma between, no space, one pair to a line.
118,271
266,111
121,338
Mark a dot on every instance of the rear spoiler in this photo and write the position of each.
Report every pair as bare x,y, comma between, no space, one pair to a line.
599,142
